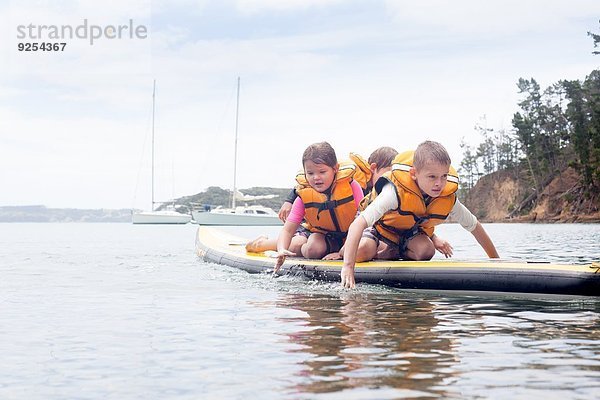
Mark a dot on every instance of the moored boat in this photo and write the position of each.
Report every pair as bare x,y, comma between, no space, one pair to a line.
250,215
160,217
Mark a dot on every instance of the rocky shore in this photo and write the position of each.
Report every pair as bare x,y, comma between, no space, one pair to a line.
503,196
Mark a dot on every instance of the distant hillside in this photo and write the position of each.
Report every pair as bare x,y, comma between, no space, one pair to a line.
44,214
215,196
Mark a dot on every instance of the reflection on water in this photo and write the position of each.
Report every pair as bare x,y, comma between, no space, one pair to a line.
365,345
365,341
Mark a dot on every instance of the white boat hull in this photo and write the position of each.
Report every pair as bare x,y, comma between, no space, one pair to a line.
232,219
160,217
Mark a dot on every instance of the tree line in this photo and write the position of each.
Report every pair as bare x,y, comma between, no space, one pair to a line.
554,128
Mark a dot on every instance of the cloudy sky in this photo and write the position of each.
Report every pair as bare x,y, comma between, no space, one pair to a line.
75,125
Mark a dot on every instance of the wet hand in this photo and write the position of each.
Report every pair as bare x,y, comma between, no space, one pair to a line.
281,256
347,276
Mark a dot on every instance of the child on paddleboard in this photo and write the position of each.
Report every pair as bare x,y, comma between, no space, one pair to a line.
379,162
328,200
407,203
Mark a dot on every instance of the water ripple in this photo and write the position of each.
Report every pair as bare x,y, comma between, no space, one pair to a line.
119,311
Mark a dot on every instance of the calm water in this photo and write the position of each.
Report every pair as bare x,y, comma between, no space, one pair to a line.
117,311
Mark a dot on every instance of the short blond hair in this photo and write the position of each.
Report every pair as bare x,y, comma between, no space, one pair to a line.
430,151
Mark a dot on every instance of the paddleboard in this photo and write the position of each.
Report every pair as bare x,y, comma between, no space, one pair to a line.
220,247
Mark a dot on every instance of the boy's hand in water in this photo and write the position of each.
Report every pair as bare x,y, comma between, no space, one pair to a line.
281,256
347,276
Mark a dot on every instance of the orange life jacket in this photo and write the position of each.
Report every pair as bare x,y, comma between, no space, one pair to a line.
329,213
368,199
362,174
412,212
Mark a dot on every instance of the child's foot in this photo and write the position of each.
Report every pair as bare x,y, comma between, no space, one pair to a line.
256,245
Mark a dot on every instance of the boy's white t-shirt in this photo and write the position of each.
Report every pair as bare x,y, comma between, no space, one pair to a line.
387,200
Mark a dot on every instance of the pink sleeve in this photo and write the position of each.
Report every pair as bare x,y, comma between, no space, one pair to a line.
297,212
357,193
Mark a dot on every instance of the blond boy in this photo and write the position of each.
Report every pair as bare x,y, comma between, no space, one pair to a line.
419,193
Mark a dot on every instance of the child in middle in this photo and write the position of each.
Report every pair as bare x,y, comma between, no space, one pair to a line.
328,200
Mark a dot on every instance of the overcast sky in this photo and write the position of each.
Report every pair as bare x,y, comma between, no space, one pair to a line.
75,124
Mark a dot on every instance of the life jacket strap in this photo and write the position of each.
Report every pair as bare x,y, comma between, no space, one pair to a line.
329,204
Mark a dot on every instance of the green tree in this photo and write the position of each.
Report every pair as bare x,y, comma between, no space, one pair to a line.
507,150
583,113
592,96
468,168
553,128
596,39
541,129
486,151
527,125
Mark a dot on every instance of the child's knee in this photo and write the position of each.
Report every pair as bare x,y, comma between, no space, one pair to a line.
296,245
367,249
315,246
311,250
420,248
424,254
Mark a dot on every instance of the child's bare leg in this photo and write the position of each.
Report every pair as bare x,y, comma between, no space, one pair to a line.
296,244
315,247
420,248
386,252
367,249
260,244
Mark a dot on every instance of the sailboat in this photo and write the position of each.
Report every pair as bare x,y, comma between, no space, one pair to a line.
238,215
169,216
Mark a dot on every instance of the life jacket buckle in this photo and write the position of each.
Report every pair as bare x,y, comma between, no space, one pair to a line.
327,205
421,220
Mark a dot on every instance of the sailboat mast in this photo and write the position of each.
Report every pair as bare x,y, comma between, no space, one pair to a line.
237,111
153,101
